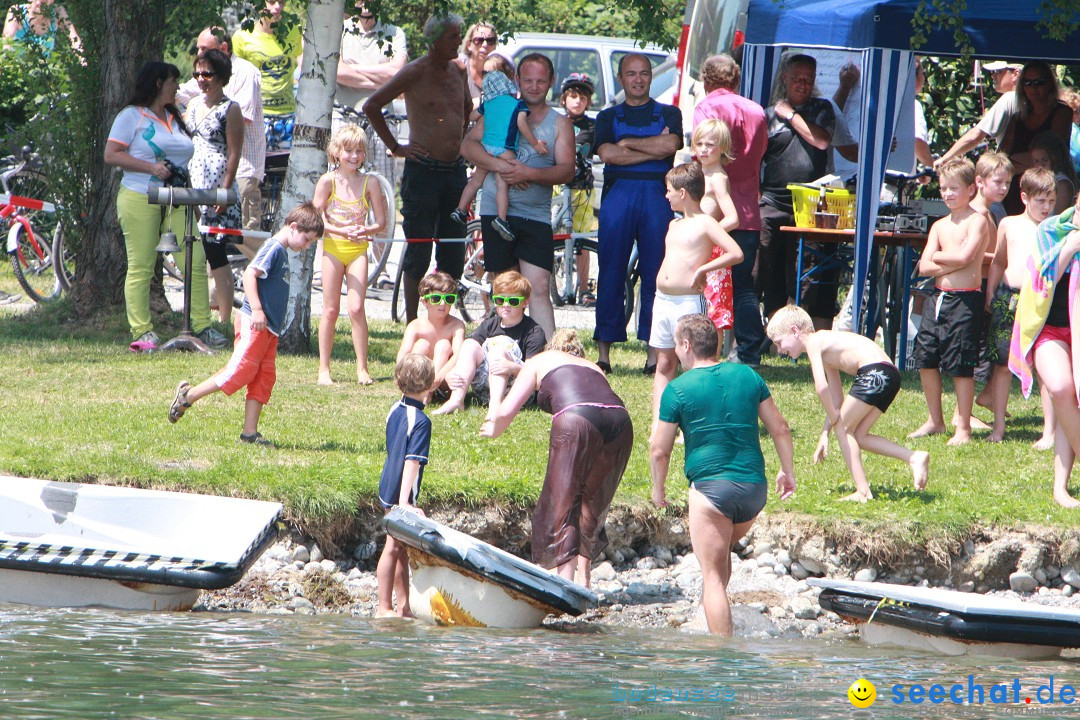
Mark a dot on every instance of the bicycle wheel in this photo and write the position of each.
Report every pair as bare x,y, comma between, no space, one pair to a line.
473,290
632,299
379,252
63,260
271,190
31,261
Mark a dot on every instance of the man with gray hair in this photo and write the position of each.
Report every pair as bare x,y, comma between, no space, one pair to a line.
245,89
437,103
746,121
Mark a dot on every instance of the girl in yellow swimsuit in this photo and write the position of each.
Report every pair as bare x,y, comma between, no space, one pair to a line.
348,199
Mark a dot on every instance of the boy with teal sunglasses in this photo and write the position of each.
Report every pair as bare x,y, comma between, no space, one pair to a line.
437,334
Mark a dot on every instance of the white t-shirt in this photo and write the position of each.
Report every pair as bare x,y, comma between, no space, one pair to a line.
147,138
921,131
996,120
362,48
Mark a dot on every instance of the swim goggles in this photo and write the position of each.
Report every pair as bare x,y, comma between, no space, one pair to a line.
511,300
440,298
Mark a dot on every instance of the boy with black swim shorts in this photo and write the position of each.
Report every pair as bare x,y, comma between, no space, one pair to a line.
953,315
1015,240
877,381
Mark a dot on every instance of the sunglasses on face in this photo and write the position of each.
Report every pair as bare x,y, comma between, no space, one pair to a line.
478,41
440,298
1036,82
511,300
366,16
203,74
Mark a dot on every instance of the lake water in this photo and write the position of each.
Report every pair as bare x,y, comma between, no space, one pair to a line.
106,664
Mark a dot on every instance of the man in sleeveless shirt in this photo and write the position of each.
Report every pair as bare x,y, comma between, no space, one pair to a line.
637,141
531,178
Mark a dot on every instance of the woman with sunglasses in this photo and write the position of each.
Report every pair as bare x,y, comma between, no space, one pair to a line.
1040,110
591,440
479,41
217,125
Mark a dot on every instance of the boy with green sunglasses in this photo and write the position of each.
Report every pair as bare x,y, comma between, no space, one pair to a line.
436,334
492,356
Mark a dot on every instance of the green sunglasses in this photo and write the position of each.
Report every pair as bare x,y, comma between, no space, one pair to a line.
440,298
511,300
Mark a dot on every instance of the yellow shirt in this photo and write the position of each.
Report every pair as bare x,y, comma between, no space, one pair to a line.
276,63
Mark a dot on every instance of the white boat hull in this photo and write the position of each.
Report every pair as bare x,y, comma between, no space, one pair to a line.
445,595
888,635
53,590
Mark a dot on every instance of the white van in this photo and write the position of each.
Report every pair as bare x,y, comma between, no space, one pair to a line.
596,56
709,27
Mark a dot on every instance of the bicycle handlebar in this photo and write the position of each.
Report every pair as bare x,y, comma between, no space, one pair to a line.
902,177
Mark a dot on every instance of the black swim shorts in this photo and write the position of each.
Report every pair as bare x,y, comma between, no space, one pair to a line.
951,332
739,501
876,384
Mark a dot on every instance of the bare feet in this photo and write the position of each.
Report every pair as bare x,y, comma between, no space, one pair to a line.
927,428
984,403
1066,500
1044,443
362,377
960,437
976,423
385,614
999,436
324,378
452,405
857,497
920,468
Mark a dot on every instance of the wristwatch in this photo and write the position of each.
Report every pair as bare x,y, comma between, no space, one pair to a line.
790,117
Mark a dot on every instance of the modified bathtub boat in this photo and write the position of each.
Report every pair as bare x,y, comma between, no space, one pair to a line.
73,545
456,579
950,622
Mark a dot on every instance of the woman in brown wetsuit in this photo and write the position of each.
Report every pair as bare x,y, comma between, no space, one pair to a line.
591,439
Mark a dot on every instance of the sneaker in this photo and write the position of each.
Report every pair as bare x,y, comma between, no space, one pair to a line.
149,337
256,438
503,228
459,216
212,338
180,402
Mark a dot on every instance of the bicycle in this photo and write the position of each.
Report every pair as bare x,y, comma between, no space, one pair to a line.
31,253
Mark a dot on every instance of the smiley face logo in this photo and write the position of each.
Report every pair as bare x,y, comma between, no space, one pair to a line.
862,693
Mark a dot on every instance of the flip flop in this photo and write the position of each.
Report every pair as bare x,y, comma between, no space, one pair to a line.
142,346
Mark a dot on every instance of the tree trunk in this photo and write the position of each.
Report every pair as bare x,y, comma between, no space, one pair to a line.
132,35
307,161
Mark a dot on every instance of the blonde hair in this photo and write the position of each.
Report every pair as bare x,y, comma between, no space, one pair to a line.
718,129
414,373
990,162
497,61
959,168
466,42
567,341
347,137
511,282
786,318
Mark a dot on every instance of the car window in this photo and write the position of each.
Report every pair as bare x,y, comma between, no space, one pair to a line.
566,61
616,57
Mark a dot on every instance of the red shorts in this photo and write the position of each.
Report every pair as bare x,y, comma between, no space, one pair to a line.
252,362
1050,333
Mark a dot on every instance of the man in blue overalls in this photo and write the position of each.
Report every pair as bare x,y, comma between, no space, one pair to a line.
637,141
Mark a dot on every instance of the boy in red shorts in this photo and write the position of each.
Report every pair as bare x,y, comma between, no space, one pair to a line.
260,321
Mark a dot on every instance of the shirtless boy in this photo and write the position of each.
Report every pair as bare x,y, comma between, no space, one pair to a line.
1016,237
437,335
993,177
687,247
877,381
952,319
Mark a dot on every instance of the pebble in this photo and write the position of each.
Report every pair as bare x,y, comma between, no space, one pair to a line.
798,571
966,586
1052,571
812,566
1040,576
804,609
316,554
604,572
1022,582
783,557
328,565
1069,575
1068,591
866,575
761,549
647,563
301,554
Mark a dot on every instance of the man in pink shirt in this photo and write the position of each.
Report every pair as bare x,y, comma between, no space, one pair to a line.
746,120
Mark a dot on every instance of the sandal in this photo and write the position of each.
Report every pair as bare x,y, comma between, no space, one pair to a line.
256,438
586,299
180,402
604,365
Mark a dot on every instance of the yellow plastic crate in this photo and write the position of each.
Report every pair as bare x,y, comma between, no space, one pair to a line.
805,199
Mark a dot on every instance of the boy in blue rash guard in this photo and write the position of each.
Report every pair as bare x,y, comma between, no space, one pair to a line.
408,440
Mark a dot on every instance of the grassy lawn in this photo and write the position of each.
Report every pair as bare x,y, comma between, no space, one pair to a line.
77,405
